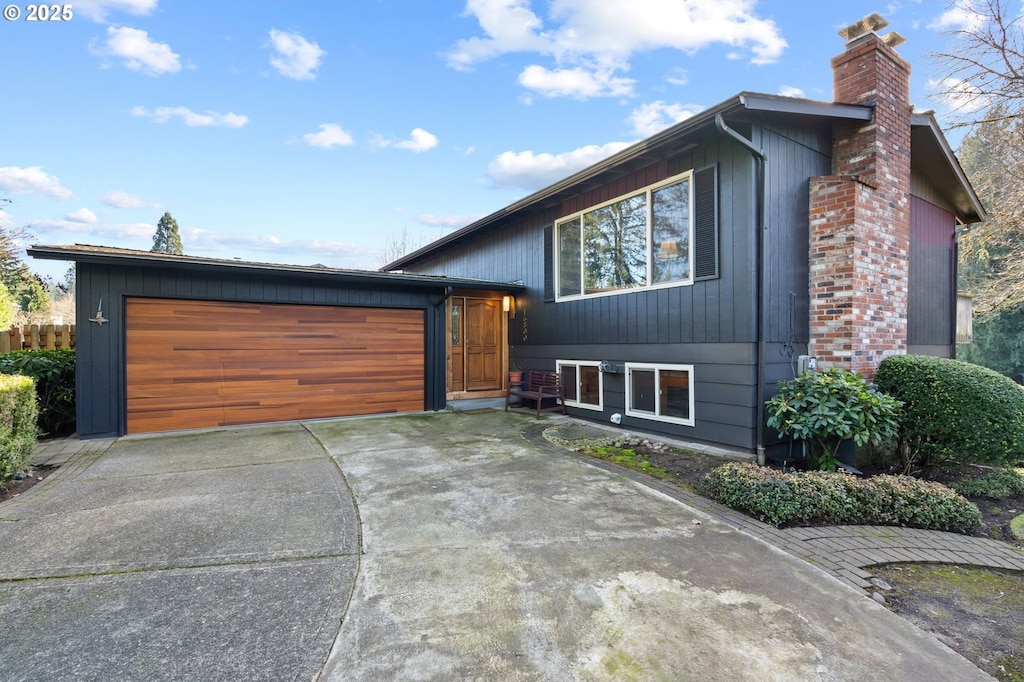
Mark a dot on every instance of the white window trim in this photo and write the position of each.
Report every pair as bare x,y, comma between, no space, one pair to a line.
657,368
648,190
599,407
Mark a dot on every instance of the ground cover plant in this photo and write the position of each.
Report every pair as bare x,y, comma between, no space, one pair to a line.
933,597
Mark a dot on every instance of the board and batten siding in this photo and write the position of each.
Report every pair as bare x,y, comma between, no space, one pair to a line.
100,363
931,314
709,323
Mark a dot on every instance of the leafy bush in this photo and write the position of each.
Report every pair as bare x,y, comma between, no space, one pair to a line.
54,374
17,424
826,408
821,497
999,484
953,413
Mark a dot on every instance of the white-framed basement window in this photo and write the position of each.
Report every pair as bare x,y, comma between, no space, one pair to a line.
660,392
636,241
582,383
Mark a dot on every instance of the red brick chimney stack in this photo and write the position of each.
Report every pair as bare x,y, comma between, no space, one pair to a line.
860,215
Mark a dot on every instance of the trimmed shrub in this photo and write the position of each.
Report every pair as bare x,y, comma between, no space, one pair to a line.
829,498
998,485
953,413
18,413
54,374
826,408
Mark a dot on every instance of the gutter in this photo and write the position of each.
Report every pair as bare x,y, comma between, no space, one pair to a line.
762,228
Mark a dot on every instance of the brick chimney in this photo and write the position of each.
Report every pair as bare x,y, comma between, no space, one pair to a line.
860,215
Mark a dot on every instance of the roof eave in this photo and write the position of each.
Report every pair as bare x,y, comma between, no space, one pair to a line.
971,209
366,277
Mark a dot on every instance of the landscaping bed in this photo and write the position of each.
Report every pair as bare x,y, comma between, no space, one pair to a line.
977,612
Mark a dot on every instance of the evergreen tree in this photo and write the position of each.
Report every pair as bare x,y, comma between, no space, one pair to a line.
167,239
8,308
29,291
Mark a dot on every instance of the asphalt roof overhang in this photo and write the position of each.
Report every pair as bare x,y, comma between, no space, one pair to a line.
81,253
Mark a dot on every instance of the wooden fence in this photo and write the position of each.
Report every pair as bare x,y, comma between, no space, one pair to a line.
37,336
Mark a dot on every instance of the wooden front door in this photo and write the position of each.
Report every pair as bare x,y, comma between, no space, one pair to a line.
477,348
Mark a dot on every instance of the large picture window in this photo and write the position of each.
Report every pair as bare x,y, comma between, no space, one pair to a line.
661,392
582,383
635,241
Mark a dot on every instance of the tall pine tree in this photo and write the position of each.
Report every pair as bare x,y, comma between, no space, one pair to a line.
167,239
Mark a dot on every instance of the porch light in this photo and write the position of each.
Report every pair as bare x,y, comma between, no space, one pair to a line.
508,305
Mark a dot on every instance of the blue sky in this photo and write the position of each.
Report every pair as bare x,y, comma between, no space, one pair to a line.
309,132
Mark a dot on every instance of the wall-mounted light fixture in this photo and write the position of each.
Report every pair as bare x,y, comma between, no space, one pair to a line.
99,319
508,305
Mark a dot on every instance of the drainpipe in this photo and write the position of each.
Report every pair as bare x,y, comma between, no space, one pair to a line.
759,281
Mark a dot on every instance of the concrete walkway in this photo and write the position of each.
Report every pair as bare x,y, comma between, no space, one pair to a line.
466,553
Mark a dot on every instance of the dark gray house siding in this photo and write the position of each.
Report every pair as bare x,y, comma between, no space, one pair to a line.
711,323
100,381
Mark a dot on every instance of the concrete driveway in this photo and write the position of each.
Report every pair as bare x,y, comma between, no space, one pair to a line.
468,553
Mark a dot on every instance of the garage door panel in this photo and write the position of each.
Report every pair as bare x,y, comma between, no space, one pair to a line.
193,364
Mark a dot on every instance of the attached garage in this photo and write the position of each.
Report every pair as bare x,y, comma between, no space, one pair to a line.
167,342
193,364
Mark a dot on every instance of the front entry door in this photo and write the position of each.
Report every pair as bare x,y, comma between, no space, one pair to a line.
478,356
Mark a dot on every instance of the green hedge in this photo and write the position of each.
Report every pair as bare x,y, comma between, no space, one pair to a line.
828,498
18,413
54,374
953,412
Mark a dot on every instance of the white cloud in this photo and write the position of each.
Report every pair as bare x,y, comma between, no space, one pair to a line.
678,76
5,220
959,95
599,38
453,220
791,91
108,231
304,250
961,16
191,118
419,141
31,180
97,10
653,117
295,56
119,199
510,26
138,52
330,135
82,215
578,82
529,171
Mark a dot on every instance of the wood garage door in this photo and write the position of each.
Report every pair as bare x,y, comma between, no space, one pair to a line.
194,364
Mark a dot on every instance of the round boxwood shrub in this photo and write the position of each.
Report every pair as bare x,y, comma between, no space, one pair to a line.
953,413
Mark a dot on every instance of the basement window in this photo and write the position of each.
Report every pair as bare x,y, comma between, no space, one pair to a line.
582,383
660,392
